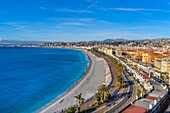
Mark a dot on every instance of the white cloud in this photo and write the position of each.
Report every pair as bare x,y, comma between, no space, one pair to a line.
106,22
44,8
16,25
159,21
73,19
135,9
86,19
74,24
92,5
20,28
128,9
73,11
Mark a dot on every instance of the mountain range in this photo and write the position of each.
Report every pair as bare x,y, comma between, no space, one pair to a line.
3,41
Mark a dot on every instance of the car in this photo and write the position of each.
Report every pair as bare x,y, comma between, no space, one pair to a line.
108,104
129,94
159,81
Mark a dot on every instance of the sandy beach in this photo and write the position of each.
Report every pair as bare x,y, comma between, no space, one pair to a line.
87,85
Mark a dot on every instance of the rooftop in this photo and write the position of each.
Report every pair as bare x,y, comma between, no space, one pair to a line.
156,94
143,103
152,98
134,109
145,76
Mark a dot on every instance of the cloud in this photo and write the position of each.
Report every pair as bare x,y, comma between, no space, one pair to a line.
106,22
135,9
44,8
140,27
74,24
81,22
73,11
16,25
75,19
158,21
92,5
86,19
20,28
128,9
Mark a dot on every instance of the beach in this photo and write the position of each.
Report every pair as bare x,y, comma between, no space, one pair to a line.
94,77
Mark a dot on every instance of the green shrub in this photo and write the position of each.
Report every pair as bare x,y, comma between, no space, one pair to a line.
107,97
139,92
71,110
90,108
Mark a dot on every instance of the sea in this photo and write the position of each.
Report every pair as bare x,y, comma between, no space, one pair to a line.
30,78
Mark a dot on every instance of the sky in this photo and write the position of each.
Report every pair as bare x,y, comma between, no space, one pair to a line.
84,20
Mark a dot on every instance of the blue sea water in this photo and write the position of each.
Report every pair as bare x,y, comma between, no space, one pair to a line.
32,77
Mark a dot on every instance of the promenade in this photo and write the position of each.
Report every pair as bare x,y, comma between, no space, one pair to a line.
88,85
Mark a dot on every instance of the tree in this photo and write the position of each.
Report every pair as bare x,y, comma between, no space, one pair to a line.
151,73
97,97
119,81
71,110
108,96
103,91
79,100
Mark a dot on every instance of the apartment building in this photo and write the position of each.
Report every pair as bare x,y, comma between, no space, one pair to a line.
118,52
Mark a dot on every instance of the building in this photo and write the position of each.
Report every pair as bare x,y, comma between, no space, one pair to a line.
148,56
164,66
106,50
145,104
109,51
134,109
144,57
119,52
157,64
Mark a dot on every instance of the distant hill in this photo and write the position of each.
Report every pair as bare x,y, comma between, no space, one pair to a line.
3,41
115,40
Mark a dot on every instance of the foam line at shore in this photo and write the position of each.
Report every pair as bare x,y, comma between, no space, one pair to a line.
88,84
69,89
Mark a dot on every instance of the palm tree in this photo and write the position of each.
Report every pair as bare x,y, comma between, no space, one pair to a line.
97,97
79,100
103,91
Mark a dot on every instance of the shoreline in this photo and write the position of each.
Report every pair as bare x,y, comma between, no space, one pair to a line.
73,86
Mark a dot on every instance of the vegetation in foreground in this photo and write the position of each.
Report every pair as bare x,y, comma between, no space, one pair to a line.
119,82
139,92
100,97
71,110
79,101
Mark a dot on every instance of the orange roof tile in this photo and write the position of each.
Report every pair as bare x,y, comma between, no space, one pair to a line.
145,76
152,98
167,52
135,109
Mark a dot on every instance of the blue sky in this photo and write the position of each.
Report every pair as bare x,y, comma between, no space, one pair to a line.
82,20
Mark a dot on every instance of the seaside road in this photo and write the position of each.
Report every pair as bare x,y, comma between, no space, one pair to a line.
88,85
125,99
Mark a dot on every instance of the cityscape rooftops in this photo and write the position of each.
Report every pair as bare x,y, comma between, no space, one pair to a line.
152,98
134,109
144,103
145,76
156,94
